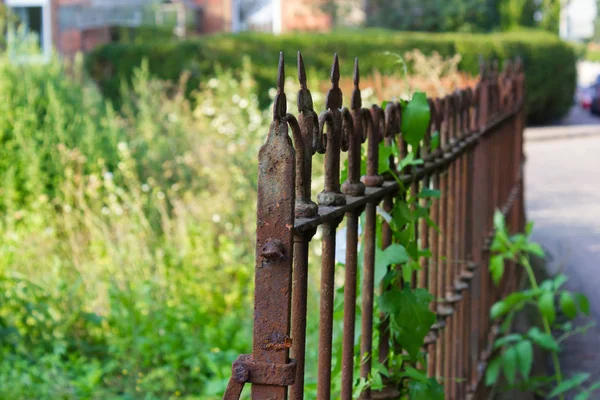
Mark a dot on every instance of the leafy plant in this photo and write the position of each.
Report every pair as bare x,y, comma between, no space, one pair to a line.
514,351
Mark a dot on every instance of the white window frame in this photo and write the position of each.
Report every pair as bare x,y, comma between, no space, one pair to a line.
46,29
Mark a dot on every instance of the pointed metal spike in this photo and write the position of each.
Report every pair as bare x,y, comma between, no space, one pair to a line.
356,73
280,74
301,71
335,71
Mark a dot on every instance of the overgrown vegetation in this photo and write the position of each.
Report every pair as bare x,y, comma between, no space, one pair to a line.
126,254
546,59
514,351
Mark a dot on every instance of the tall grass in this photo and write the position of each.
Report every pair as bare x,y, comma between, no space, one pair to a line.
126,239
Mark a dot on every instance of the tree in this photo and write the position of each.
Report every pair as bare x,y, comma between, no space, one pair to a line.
429,15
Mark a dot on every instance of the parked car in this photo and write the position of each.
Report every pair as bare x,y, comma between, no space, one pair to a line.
584,97
595,97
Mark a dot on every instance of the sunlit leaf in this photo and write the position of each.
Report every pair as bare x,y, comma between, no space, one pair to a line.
415,119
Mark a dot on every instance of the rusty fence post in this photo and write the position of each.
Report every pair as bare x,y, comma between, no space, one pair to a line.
477,168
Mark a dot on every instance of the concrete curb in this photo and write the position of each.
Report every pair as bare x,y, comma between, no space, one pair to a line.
561,133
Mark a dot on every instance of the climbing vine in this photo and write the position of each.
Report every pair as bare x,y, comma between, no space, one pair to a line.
406,309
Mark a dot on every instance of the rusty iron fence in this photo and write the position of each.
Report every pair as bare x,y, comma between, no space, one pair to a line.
477,168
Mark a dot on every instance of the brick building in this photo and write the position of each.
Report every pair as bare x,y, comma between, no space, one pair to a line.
71,26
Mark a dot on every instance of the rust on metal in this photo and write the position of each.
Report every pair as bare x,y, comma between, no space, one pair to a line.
477,168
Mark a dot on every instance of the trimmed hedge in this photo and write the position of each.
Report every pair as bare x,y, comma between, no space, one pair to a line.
549,63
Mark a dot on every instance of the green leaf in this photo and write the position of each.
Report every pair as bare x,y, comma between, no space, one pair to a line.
542,339
569,384
559,280
394,254
415,374
429,193
525,355
435,141
582,396
567,304
429,390
509,364
492,371
499,221
499,309
583,303
401,214
529,228
504,340
546,305
497,268
385,152
536,249
415,119
358,389
410,316
409,160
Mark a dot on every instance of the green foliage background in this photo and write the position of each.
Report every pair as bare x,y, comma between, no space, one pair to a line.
546,57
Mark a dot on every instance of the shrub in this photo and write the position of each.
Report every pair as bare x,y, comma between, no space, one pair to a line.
549,62
127,238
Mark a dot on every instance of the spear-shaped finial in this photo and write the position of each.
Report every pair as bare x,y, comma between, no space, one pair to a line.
280,106
301,72
334,95
335,71
356,102
356,73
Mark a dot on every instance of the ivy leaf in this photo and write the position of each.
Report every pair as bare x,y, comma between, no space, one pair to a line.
385,152
401,214
524,351
583,303
415,374
546,305
429,390
497,268
410,315
509,364
492,371
409,160
415,119
566,385
542,339
567,304
429,193
392,255
358,389
435,141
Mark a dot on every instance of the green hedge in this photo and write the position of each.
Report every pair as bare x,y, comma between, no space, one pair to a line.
549,62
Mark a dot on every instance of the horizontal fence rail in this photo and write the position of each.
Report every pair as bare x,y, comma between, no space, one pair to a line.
477,168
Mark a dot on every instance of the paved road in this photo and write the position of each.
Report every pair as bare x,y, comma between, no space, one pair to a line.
563,200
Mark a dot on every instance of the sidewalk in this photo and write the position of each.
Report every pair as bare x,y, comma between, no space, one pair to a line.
563,200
